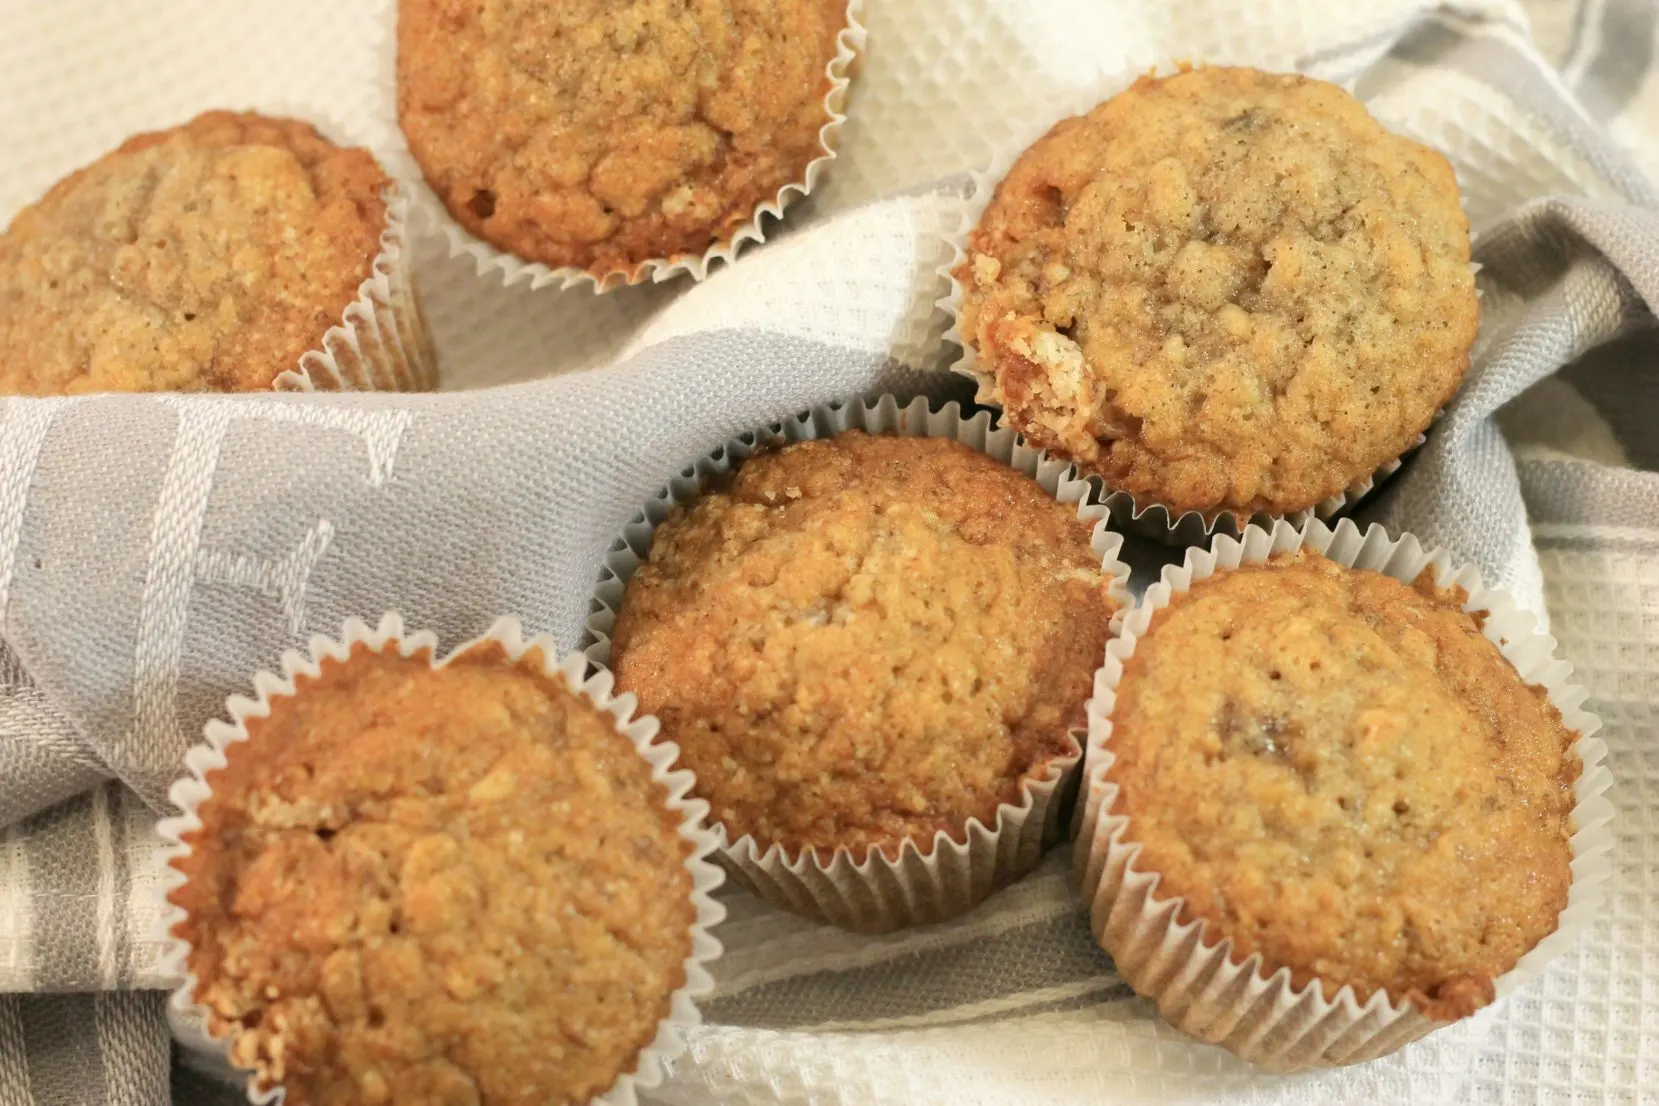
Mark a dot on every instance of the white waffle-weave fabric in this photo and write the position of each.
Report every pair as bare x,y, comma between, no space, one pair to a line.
155,552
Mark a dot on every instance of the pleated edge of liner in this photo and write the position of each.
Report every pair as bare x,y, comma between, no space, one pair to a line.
653,1061
391,278
851,42
1102,848
883,414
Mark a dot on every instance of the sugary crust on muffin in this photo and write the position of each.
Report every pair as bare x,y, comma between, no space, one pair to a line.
1223,290
1342,773
866,639
600,135
457,886
208,257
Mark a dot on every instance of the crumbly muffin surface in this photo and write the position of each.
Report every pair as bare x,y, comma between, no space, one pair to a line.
457,887
1340,772
600,134
1223,290
866,639
209,257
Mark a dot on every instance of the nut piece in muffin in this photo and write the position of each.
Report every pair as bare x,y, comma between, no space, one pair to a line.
601,135
451,885
209,257
1223,291
1339,771
866,640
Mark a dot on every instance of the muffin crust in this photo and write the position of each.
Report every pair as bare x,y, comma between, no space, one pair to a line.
208,257
457,886
1223,290
600,135
866,639
1340,772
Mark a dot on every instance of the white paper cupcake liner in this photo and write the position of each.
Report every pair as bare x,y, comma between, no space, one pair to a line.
1149,520
930,881
381,342
1182,968
192,1021
512,269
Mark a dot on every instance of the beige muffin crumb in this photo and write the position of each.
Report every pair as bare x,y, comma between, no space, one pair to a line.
865,640
209,257
1341,773
601,135
1223,290
456,886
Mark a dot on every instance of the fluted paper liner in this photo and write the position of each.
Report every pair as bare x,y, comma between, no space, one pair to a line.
1182,968
380,343
513,269
1149,520
192,1020
930,881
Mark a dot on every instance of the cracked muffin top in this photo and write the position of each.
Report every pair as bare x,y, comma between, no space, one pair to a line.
600,134
454,886
1341,772
1223,290
209,257
866,639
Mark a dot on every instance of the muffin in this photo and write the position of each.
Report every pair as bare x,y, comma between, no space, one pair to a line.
1223,291
1345,786
209,257
602,136
419,883
864,645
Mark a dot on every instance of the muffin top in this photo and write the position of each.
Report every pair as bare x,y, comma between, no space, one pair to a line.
600,134
453,885
1223,290
209,257
866,639
1340,772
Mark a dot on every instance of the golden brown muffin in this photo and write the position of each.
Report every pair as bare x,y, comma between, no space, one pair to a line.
865,640
209,257
454,886
1223,290
600,134
1340,772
